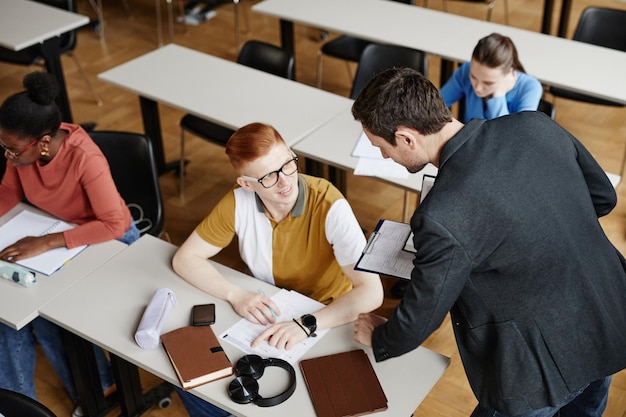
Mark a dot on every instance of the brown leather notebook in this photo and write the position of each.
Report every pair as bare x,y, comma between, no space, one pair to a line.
343,384
196,355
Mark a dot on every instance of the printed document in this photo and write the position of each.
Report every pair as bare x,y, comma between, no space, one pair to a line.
292,305
385,251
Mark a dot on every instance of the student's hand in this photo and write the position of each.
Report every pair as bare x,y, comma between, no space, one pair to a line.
255,307
284,335
506,84
26,247
364,327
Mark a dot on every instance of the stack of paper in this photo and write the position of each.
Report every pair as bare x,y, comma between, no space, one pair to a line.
372,163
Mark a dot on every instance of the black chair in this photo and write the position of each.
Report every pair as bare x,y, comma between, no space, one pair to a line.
347,48
32,55
255,54
547,108
602,27
134,171
375,59
14,404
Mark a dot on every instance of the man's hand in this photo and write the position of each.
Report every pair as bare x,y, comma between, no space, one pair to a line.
255,307
364,327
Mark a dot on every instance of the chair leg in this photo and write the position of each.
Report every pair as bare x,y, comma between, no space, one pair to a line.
236,11
490,5
319,69
506,11
84,76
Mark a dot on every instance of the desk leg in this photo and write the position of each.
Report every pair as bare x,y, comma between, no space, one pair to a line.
447,68
130,395
152,128
84,369
287,38
50,52
546,20
566,9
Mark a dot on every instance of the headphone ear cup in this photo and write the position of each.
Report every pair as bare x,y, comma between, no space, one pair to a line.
243,389
251,365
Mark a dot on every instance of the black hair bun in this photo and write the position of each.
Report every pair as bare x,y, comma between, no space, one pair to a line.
42,87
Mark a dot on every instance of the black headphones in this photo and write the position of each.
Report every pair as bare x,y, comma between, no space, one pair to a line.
245,388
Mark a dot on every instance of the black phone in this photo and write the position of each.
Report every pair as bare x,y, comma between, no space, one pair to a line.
203,314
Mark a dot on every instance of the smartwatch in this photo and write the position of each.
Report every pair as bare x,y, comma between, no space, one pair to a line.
310,322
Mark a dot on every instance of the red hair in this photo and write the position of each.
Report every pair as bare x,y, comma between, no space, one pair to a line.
250,143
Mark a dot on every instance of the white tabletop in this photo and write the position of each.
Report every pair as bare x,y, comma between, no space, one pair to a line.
225,92
334,142
111,301
24,23
19,305
554,61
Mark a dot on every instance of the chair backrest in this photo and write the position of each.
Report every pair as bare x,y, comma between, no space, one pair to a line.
547,108
133,168
602,27
14,404
267,57
377,58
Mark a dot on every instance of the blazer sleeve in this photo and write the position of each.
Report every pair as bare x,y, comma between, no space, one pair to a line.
441,270
601,190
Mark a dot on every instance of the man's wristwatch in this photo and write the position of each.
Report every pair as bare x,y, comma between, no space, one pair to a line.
310,322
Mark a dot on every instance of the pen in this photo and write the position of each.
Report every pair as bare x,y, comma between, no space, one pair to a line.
268,307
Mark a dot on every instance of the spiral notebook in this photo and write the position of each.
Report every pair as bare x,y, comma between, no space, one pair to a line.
28,223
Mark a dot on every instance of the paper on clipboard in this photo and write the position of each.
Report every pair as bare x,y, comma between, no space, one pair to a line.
384,252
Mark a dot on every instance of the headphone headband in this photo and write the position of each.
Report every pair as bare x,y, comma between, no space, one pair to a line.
245,388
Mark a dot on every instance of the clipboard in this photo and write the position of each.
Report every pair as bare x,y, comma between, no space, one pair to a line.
384,252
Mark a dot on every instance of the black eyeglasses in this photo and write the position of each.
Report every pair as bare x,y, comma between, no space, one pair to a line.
269,180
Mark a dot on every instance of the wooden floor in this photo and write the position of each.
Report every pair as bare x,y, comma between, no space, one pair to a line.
130,33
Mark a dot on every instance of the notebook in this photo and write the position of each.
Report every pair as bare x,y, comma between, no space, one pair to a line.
343,384
28,223
196,355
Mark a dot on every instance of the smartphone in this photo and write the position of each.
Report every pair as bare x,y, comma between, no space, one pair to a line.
203,314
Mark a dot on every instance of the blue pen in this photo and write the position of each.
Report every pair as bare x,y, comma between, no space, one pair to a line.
268,307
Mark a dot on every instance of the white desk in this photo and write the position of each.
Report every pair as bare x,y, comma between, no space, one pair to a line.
25,23
128,282
334,142
221,91
554,61
20,305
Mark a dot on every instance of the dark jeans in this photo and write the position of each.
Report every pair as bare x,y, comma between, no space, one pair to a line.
589,401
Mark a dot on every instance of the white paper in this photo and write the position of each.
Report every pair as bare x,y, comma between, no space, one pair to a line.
372,163
292,305
385,254
27,223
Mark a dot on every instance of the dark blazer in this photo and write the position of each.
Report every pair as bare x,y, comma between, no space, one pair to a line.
509,242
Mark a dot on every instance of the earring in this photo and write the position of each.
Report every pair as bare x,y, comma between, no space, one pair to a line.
45,152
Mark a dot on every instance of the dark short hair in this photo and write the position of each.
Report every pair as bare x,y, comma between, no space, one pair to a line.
400,97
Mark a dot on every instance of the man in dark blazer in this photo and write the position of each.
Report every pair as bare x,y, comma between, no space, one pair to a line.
508,241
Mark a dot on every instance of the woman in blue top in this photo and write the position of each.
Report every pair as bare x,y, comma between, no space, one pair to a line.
493,83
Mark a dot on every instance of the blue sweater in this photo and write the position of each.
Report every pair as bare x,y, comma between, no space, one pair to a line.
524,96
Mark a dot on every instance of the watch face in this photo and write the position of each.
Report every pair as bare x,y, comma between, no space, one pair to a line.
309,320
